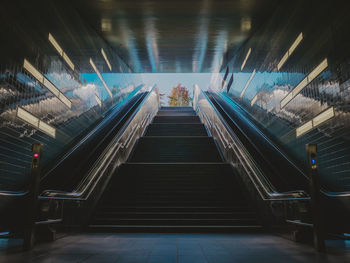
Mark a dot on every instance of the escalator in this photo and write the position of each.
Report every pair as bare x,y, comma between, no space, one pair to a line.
68,172
284,174
175,179
71,169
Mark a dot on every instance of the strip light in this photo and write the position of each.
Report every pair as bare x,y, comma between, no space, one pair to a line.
247,84
302,84
61,52
100,77
304,128
322,117
316,121
35,122
290,51
246,58
98,100
254,100
46,83
26,116
106,59
32,70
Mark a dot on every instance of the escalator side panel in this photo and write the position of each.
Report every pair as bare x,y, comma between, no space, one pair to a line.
279,171
67,175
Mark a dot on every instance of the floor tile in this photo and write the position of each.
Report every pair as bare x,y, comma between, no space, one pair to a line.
191,259
162,259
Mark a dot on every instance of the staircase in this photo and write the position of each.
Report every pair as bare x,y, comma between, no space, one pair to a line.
175,180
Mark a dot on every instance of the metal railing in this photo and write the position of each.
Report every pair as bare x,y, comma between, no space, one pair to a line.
116,152
52,202
236,153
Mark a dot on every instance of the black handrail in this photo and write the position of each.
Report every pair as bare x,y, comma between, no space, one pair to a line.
280,171
68,172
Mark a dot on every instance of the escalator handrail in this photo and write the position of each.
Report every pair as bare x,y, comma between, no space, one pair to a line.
90,181
91,133
265,138
269,194
274,192
21,193
323,190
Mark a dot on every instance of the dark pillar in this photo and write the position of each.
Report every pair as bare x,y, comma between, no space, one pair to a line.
34,182
317,215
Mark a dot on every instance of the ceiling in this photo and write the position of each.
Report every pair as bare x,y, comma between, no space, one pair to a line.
174,36
149,36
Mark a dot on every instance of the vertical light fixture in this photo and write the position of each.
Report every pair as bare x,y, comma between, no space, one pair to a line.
316,121
254,100
100,77
61,52
246,58
247,84
46,83
106,59
302,84
290,51
98,100
35,122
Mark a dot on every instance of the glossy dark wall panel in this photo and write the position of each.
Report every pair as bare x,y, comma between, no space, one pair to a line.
25,27
325,35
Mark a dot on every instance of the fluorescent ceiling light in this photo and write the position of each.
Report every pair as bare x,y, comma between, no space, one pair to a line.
47,129
290,51
55,91
55,44
246,58
100,77
35,122
320,118
323,116
286,100
27,117
47,83
317,71
98,100
254,100
283,60
32,70
295,44
248,82
304,128
68,61
106,59
302,84
65,100
61,52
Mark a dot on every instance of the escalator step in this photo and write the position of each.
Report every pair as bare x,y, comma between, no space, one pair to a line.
176,113
176,129
176,119
175,149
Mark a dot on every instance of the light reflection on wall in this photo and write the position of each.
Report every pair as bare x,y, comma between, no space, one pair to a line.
271,87
19,89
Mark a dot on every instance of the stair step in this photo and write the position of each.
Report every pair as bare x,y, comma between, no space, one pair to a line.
180,209
177,108
176,129
176,113
174,221
176,119
176,228
174,214
175,149
175,180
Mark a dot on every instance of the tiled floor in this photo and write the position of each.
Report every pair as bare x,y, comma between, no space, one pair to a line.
169,248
